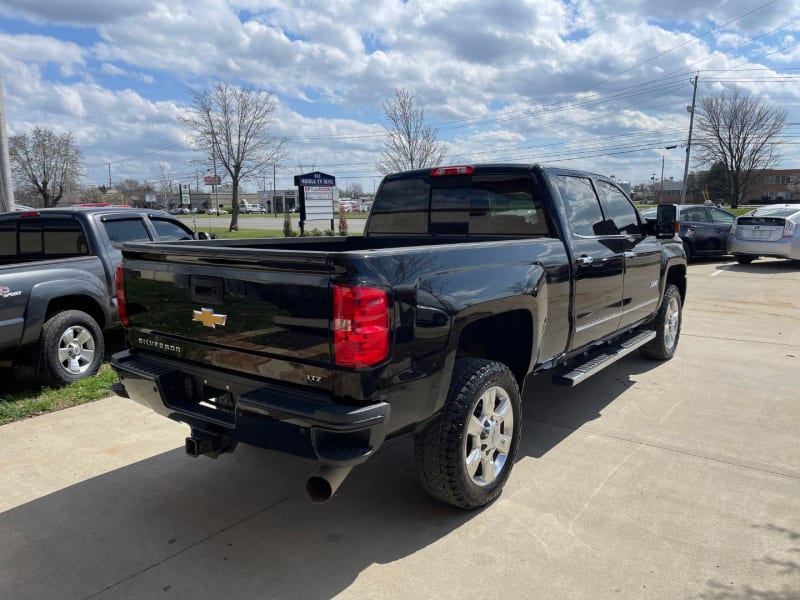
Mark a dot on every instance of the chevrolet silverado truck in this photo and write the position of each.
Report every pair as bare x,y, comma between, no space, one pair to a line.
467,280
57,288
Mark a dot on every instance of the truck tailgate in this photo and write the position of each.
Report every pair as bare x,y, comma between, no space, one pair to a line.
258,315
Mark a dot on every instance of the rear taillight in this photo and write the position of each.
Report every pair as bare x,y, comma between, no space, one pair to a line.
360,326
460,170
789,229
122,306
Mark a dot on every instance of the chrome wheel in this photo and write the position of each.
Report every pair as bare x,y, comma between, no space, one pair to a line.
672,323
76,350
489,435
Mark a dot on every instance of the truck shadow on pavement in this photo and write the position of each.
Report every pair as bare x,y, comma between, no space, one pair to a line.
552,412
241,527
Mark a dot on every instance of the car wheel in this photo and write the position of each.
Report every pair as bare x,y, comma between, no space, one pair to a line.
465,455
667,324
744,260
72,347
688,250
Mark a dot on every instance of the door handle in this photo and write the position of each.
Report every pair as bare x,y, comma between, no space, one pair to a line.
629,254
585,260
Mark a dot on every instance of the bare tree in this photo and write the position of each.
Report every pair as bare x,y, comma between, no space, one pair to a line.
45,163
165,185
742,134
233,125
410,142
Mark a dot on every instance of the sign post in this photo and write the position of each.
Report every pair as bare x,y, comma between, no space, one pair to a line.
316,192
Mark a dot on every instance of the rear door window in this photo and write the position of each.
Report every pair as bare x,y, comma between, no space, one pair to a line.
126,230
582,205
169,230
620,210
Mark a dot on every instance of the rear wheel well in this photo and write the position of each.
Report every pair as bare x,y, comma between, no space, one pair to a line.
86,304
506,338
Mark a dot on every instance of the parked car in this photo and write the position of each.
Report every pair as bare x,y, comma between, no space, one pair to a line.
57,284
179,211
704,229
217,211
768,231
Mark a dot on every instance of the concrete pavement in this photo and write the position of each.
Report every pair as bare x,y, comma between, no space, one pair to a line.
651,480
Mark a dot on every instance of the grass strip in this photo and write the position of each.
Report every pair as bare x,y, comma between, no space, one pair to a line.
24,403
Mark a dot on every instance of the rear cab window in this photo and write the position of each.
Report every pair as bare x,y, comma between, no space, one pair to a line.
45,237
485,203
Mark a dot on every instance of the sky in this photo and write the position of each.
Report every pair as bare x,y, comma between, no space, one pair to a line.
601,86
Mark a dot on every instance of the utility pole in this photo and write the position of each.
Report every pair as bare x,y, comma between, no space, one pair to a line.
109,177
689,143
7,189
274,201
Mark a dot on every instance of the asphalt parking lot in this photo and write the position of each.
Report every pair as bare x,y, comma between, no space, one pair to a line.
651,480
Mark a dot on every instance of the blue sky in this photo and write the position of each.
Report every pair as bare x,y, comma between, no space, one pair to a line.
596,85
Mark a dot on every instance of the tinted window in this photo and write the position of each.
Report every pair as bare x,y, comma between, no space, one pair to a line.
169,230
402,207
582,205
483,204
491,205
45,237
126,230
8,238
620,210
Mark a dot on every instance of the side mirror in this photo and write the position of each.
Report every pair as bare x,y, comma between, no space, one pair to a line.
666,221
203,235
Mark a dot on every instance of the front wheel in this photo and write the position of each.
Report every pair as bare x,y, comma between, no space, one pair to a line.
667,325
71,347
465,455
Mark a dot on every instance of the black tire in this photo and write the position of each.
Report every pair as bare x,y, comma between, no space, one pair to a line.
465,455
72,347
667,325
688,250
744,260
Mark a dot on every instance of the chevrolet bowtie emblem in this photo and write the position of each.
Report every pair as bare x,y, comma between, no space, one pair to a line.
208,317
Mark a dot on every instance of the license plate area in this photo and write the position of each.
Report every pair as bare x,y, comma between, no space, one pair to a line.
201,399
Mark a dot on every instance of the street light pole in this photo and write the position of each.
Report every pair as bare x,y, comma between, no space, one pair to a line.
689,142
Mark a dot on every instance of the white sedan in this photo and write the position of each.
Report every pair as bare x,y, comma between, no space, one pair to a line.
767,231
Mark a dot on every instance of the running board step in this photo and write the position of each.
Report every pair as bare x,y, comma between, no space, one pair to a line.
601,359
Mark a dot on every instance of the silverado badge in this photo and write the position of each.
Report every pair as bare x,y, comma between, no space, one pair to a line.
209,318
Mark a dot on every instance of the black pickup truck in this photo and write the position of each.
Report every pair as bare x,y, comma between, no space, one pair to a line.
467,280
57,286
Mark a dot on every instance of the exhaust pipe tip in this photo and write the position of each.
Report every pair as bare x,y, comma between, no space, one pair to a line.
324,482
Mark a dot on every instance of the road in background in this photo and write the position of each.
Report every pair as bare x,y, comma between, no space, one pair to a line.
198,222
651,480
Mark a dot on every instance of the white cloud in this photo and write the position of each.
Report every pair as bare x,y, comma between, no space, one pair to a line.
503,79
